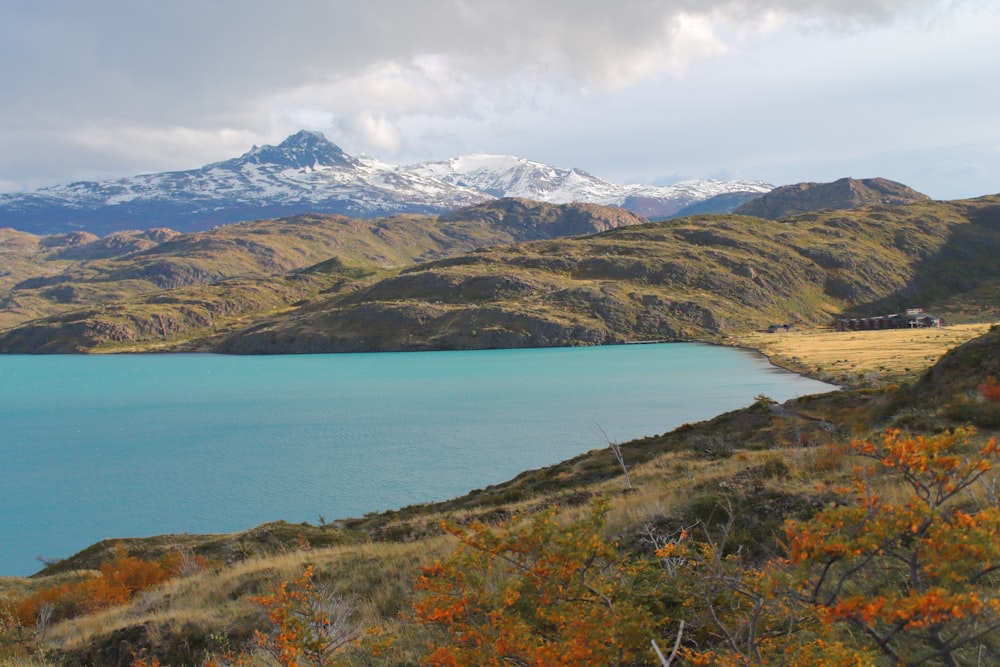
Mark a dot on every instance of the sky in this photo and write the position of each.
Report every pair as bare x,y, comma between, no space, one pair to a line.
632,91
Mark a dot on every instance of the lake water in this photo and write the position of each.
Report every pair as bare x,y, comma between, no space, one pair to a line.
93,447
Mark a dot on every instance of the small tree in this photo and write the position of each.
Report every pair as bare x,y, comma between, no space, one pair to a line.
739,613
919,578
310,624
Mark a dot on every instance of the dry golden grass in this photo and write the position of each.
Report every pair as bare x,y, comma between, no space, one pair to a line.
211,598
377,576
859,357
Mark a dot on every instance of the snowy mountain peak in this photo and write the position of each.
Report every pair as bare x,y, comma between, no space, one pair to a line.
303,150
306,173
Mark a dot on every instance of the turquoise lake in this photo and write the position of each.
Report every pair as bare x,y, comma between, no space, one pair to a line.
96,447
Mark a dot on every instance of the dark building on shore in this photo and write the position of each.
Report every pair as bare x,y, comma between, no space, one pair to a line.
913,318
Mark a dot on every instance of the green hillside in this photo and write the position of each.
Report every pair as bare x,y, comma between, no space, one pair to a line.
695,278
80,293
477,278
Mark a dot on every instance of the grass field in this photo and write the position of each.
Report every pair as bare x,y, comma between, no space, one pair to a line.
860,358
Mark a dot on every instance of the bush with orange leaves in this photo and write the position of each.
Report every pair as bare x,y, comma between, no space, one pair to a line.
116,581
919,579
537,592
866,581
309,624
990,390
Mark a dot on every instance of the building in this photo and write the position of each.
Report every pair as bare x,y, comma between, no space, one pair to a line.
913,318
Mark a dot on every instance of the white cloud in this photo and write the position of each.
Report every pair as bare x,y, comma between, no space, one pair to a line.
114,84
376,132
144,147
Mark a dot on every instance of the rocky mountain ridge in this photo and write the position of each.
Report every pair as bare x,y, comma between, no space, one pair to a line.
306,173
844,193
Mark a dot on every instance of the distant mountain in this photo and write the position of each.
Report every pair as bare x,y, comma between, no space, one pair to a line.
845,193
306,173
727,202
505,176
529,220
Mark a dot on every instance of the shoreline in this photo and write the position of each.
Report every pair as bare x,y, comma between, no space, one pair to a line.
774,353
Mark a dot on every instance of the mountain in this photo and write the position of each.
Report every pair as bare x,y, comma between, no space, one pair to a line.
306,173
112,286
505,176
845,193
727,202
502,274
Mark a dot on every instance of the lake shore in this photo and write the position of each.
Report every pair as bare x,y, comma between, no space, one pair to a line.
858,358
853,359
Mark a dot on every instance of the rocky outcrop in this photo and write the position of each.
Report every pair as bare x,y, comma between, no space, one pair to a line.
846,193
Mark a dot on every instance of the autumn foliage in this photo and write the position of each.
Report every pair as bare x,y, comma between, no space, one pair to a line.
116,581
990,390
308,624
913,580
536,592
919,578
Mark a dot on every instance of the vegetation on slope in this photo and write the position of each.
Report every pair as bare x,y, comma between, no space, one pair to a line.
76,292
701,277
846,193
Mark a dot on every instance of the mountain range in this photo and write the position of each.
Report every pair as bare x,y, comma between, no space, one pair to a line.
505,273
306,173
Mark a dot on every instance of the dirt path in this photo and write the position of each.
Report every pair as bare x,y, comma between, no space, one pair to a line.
860,357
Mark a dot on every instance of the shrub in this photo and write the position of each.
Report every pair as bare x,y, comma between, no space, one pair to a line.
116,581
535,592
919,578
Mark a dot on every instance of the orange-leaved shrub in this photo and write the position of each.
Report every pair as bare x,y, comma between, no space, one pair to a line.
918,578
115,582
534,591
990,390
309,624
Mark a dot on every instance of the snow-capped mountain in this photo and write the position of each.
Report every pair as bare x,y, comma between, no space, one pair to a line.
308,173
506,176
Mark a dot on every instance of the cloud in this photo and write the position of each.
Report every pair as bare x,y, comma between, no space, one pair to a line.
375,131
164,84
127,56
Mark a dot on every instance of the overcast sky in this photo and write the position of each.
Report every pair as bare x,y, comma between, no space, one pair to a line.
631,91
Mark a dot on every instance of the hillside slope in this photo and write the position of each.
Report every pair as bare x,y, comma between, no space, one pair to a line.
403,283
698,277
78,290
845,193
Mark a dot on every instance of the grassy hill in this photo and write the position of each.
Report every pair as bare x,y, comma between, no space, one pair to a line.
702,277
470,279
846,193
75,293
